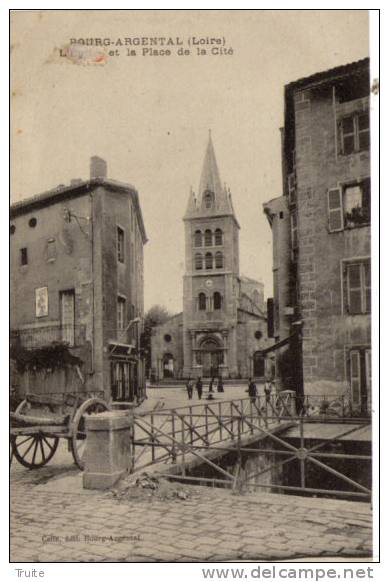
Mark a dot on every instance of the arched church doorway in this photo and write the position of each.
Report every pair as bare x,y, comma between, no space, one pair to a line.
168,366
258,365
211,356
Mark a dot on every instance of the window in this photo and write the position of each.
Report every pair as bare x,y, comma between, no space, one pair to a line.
198,262
354,133
167,337
12,229
219,260
32,222
208,238
202,302
208,198
120,244
356,204
359,376
217,300
198,238
23,256
51,250
208,261
121,313
293,234
356,284
218,237
349,206
67,303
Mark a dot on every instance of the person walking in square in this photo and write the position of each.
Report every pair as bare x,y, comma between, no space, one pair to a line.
199,387
252,390
210,387
220,387
189,388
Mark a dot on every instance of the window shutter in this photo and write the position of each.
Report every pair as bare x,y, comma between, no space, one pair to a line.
335,210
355,377
354,285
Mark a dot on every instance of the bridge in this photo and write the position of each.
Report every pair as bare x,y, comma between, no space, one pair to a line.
306,433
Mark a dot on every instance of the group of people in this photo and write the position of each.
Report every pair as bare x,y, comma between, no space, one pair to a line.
252,388
199,386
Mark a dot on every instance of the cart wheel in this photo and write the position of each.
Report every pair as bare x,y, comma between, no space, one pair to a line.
78,439
35,450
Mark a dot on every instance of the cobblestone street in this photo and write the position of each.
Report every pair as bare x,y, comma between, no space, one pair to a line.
54,519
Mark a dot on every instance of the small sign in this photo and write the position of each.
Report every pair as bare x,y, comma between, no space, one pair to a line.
41,302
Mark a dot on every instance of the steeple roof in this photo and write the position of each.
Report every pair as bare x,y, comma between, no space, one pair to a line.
213,199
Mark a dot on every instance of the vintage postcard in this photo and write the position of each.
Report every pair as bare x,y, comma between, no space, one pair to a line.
190,251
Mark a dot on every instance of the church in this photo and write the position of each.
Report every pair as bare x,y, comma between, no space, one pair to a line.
222,329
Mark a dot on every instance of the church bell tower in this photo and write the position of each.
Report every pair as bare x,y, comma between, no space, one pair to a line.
211,280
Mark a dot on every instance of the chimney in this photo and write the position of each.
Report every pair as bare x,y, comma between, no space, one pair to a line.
98,168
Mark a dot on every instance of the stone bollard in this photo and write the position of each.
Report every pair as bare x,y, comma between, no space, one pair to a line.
108,453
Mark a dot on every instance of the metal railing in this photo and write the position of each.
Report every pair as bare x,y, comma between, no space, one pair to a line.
203,432
38,337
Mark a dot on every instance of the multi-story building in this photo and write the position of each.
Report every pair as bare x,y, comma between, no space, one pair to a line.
222,330
77,280
321,235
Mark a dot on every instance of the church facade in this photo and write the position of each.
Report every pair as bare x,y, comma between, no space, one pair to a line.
222,329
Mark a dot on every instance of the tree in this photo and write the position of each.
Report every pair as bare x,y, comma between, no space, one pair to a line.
156,315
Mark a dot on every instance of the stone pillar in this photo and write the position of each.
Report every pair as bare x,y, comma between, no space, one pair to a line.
108,454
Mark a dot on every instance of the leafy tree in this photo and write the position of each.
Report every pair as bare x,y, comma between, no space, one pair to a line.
156,315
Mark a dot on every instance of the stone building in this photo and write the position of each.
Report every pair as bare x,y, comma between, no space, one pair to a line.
321,235
77,279
222,329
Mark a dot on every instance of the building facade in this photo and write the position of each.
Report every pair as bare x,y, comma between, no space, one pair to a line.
222,329
77,280
321,234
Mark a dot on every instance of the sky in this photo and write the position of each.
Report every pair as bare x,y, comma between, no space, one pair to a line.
149,116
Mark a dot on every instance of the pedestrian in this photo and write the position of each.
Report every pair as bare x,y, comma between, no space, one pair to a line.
220,387
199,387
210,387
267,388
252,390
189,388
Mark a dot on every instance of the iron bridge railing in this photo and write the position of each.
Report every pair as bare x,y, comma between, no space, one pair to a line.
184,434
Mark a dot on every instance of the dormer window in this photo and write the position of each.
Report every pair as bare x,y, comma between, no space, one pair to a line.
208,198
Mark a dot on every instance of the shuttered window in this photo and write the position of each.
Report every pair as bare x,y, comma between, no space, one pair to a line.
357,287
335,210
355,376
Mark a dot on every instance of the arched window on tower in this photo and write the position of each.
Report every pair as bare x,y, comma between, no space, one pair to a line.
208,261
217,300
198,238
219,263
218,237
208,199
208,238
198,261
202,302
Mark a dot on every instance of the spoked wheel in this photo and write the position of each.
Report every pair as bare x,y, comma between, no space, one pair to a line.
78,439
35,450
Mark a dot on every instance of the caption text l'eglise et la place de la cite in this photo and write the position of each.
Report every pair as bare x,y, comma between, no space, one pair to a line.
156,46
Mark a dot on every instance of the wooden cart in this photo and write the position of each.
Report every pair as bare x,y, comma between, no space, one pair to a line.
42,419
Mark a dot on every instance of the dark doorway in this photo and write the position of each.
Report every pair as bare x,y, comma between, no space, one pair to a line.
258,365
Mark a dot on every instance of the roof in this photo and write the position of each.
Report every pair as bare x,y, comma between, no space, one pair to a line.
328,75
80,188
210,181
